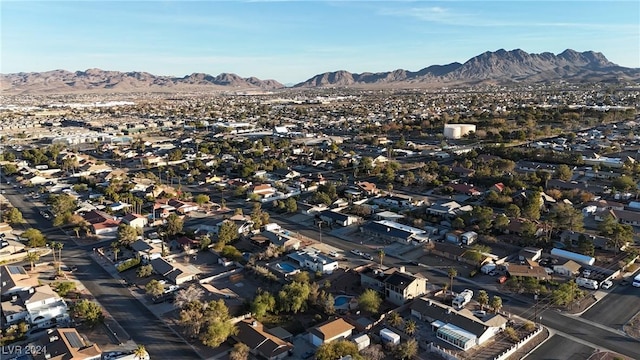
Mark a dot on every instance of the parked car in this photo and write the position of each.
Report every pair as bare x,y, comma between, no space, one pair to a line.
586,273
502,279
606,285
356,252
333,253
366,256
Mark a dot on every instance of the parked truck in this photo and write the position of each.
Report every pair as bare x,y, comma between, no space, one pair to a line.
587,283
462,299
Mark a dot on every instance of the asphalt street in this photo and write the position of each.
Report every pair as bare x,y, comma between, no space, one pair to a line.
561,348
617,308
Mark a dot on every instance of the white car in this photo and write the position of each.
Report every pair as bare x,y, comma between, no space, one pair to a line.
356,252
333,254
606,285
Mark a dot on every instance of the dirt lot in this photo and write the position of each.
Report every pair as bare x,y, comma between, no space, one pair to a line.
632,328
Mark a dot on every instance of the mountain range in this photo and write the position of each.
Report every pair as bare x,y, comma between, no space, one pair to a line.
499,67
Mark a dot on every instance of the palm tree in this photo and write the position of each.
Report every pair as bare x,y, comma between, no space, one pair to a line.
58,246
452,272
32,257
410,327
380,256
115,246
483,298
395,319
140,353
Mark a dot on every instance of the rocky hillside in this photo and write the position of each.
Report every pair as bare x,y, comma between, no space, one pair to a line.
497,67
61,81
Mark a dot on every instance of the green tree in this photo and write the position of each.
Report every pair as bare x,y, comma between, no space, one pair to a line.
35,238
501,222
566,217
338,349
227,233
13,216
512,211
154,288
451,273
88,311
370,301
410,327
32,257
262,304
565,293
174,225
381,256
496,303
65,287
62,207
205,241
407,350
532,207
457,223
291,205
624,183
201,199
240,352
394,319
293,297
127,235
145,271
563,172
140,352
483,298
218,326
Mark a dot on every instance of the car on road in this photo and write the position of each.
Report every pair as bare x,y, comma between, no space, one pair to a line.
333,253
606,285
356,252
366,256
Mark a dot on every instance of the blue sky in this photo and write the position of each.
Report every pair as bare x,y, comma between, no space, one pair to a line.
290,41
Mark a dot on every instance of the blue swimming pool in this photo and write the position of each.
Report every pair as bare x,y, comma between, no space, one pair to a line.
341,300
286,267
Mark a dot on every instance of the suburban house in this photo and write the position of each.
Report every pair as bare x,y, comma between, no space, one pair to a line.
448,209
537,272
399,201
263,191
566,267
396,285
147,249
102,223
65,343
15,279
176,273
622,216
329,331
273,234
135,220
599,242
39,306
182,207
314,261
460,328
261,343
334,217
367,188
393,231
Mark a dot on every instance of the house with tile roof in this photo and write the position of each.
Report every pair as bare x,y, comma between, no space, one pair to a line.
14,279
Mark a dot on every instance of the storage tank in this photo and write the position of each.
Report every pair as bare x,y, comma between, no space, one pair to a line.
583,259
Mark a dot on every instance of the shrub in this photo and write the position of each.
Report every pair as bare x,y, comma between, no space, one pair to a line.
529,326
511,334
128,264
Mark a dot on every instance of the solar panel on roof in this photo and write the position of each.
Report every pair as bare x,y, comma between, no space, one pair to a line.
74,340
16,270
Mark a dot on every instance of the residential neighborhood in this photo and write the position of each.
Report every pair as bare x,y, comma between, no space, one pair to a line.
329,224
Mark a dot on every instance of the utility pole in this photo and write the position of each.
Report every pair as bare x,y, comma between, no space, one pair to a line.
320,227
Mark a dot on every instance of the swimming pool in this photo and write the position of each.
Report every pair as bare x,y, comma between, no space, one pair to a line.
342,302
286,267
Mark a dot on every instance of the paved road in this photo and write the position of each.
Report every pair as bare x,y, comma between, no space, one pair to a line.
143,327
617,308
560,348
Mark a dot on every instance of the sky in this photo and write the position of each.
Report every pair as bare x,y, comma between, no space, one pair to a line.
291,41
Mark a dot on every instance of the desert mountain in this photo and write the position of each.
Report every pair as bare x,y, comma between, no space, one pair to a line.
499,67
496,67
61,81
